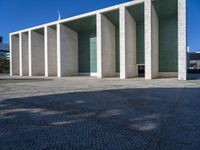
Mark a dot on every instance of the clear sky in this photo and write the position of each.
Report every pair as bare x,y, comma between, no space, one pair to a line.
19,14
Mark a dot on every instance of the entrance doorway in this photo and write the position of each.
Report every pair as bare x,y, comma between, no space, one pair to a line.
141,70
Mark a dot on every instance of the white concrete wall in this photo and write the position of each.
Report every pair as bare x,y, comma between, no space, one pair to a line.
151,41
128,67
106,66
67,51
25,54
50,51
182,40
37,54
14,55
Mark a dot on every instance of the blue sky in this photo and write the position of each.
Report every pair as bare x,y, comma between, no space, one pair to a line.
19,14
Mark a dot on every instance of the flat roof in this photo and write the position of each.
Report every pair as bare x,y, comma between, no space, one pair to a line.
127,4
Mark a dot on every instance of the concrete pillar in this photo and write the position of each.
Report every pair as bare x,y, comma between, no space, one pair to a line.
128,66
105,47
151,41
50,51
37,53
46,52
29,54
182,40
99,46
58,51
24,54
67,41
14,55
20,54
10,42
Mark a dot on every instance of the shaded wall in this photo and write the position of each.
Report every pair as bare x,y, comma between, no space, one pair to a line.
25,54
37,53
15,55
52,51
168,44
87,54
140,42
117,48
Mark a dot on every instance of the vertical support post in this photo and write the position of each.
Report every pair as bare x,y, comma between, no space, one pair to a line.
122,43
46,50
58,51
30,53
11,69
99,46
20,54
182,40
151,41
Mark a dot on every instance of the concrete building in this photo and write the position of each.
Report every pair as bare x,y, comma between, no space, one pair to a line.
194,61
115,41
4,57
4,50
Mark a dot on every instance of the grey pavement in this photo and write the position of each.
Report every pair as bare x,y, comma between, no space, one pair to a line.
99,114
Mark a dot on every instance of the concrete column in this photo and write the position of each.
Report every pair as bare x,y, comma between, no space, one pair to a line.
20,54
14,61
105,47
67,51
29,53
46,51
182,40
25,54
128,66
151,41
37,53
50,52
10,42
99,46
58,51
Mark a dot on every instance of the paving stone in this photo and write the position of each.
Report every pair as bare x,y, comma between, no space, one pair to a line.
109,114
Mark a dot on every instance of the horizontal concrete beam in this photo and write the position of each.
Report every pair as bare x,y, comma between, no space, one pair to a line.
127,4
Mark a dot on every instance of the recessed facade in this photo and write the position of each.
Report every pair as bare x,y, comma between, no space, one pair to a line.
142,38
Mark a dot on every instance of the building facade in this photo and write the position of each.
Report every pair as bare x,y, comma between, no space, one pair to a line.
194,61
115,41
4,51
4,57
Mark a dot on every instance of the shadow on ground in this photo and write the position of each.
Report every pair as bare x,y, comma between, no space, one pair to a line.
193,76
151,118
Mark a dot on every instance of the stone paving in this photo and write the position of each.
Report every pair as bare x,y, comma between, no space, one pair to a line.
109,114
